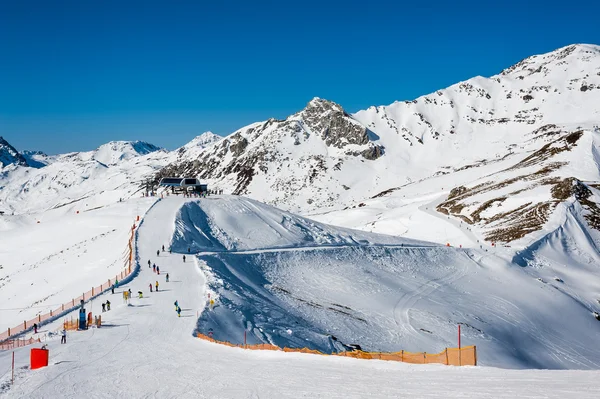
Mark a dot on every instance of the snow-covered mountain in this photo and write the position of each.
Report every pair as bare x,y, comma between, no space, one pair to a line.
9,155
192,149
112,153
81,179
322,158
497,141
37,159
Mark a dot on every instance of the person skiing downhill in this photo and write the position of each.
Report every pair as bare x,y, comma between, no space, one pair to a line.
63,338
183,258
157,252
157,270
154,268
167,277
150,287
178,311
176,305
163,248
35,326
107,305
156,285
103,307
149,263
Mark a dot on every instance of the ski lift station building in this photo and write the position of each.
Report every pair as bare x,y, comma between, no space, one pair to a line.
183,184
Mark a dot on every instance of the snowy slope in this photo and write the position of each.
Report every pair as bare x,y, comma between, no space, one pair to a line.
293,282
45,264
145,350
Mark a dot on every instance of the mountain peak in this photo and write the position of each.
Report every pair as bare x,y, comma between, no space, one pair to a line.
9,155
572,54
114,151
203,140
321,105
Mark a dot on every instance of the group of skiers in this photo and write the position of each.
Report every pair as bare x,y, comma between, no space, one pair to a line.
127,295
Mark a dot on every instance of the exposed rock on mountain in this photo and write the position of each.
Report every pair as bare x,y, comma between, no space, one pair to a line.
308,146
9,155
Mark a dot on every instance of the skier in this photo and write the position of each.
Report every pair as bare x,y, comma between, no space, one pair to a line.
170,250
149,263
107,305
112,289
157,252
188,250
150,287
103,307
183,258
35,326
157,270
178,311
167,277
154,268
130,293
176,305
63,338
156,285
163,248
140,294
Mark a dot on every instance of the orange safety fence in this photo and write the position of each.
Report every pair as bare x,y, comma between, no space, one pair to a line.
465,356
17,343
75,302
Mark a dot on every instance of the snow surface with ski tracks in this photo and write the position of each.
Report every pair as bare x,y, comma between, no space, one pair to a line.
145,350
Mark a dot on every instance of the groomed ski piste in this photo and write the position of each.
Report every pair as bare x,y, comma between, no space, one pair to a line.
292,281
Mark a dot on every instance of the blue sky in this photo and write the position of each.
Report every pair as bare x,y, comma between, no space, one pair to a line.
76,74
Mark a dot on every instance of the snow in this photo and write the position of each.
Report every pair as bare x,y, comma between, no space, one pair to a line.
144,349
46,264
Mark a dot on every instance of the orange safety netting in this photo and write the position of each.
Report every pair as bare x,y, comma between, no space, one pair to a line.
17,343
28,324
466,356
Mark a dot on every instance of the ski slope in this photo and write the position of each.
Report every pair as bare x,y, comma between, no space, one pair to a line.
50,258
145,350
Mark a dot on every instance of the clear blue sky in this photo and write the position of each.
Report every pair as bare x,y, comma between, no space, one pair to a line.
76,74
